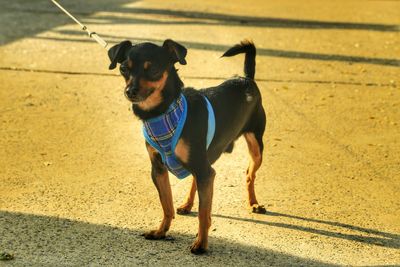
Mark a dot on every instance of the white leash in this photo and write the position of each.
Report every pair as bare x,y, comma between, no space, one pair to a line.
91,34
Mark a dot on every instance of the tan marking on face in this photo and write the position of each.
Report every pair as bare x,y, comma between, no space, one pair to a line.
182,151
130,63
146,65
155,98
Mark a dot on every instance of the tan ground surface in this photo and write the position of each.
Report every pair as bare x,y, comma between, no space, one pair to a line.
75,185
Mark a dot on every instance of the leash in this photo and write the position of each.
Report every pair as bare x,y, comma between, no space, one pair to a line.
93,35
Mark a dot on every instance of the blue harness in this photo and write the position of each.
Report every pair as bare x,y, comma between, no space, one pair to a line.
163,133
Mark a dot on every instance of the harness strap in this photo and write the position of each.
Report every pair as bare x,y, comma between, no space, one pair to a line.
211,122
167,154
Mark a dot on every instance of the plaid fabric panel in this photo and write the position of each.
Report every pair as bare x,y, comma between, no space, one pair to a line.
161,131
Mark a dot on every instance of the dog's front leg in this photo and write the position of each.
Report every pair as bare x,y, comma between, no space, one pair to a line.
205,188
159,174
204,175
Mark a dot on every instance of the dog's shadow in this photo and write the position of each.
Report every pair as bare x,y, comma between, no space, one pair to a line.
359,234
37,240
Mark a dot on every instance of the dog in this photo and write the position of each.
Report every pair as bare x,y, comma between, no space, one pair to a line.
213,119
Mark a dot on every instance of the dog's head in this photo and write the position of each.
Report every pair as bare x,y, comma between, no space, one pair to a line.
146,68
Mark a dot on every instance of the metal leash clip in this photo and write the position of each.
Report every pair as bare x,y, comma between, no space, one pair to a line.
93,35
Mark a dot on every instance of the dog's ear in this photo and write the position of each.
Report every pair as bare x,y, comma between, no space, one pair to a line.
177,51
117,53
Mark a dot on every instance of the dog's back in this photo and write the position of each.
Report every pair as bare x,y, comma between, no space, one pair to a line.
237,105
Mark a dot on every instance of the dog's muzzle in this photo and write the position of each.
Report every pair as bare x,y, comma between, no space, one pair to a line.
133,95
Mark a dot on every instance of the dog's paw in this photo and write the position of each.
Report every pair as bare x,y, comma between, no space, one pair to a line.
198,248
184,209
260,209
154,235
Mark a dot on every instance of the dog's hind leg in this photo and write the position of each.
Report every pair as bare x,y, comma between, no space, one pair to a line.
186,207
255,146
159,174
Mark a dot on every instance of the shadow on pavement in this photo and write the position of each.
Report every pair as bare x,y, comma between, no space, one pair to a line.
223,48
42,15
382,239
250,21
200,18
52,241
20,18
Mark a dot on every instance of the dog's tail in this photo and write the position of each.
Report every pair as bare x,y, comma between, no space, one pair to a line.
249,49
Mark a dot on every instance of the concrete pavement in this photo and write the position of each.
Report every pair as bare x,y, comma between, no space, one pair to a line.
75,180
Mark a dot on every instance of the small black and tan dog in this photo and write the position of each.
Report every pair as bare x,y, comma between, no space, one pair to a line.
152,85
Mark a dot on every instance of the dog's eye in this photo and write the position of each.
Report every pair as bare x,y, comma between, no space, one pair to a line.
153,73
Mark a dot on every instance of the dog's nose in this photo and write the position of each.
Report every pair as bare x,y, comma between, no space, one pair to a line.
130,92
